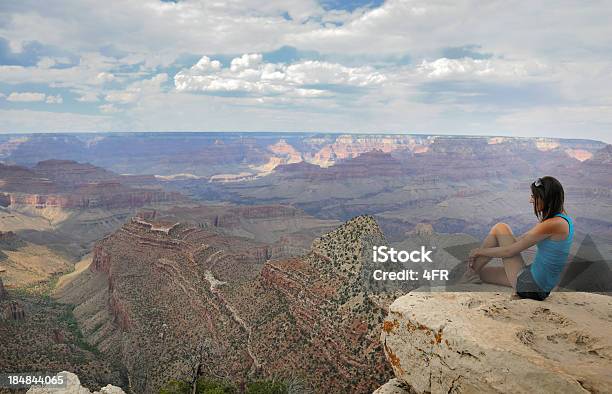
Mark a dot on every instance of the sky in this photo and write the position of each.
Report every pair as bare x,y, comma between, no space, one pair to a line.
516,68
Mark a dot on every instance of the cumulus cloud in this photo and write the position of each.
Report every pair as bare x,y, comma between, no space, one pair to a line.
30,97
474,68
250,74
26,97
430,65
57,99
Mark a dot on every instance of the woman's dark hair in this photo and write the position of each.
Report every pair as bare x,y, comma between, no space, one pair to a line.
548,194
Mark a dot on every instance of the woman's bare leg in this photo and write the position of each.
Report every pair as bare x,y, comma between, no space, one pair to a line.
512,265
490,241
495,275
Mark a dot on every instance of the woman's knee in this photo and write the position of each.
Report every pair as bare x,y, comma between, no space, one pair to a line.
501,228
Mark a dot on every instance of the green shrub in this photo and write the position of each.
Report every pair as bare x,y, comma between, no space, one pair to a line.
209,386
204,386
266,387
176,387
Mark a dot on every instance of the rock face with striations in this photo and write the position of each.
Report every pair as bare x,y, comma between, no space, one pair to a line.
68,184
494,343
157,294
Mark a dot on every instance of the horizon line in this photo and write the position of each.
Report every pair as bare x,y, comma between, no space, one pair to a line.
334,133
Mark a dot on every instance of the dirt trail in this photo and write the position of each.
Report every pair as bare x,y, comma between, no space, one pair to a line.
214,284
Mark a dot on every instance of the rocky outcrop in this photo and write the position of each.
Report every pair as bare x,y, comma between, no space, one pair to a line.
5,200
232,217
72,185
375,163
393,386
69,173
3,292
163,294
322,302
159,303
14,311
73,386
351,146
477,341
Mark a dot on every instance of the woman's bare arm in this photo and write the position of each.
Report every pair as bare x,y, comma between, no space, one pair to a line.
539,232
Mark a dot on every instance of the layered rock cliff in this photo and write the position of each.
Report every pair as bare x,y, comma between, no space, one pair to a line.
484,340
157,293
68,184
316,316
375,163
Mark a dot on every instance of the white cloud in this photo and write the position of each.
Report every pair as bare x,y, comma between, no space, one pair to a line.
137,89
108,108
398,51
104,77
29,97
46,62
81,76
88,97
26,97
476,68
121,97
57,99
250,74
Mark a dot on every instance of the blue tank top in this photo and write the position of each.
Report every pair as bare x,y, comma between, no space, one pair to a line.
551,257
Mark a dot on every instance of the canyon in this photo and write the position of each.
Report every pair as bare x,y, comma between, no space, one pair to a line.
136,256
156,290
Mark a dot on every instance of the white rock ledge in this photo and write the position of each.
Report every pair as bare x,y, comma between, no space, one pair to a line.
494,343
73,386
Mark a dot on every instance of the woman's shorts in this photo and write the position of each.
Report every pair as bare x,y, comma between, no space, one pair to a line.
526,286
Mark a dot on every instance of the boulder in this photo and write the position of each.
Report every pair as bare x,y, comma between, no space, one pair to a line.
475,341
73,386
393,386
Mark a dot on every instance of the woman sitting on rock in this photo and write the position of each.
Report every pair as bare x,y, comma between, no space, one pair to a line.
553,236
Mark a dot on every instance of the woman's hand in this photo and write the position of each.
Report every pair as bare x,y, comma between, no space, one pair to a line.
474,253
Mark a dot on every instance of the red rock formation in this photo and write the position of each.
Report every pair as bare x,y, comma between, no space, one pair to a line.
374,163
68,173
232,217
324,321
351,146
167,291
159,278
72,185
